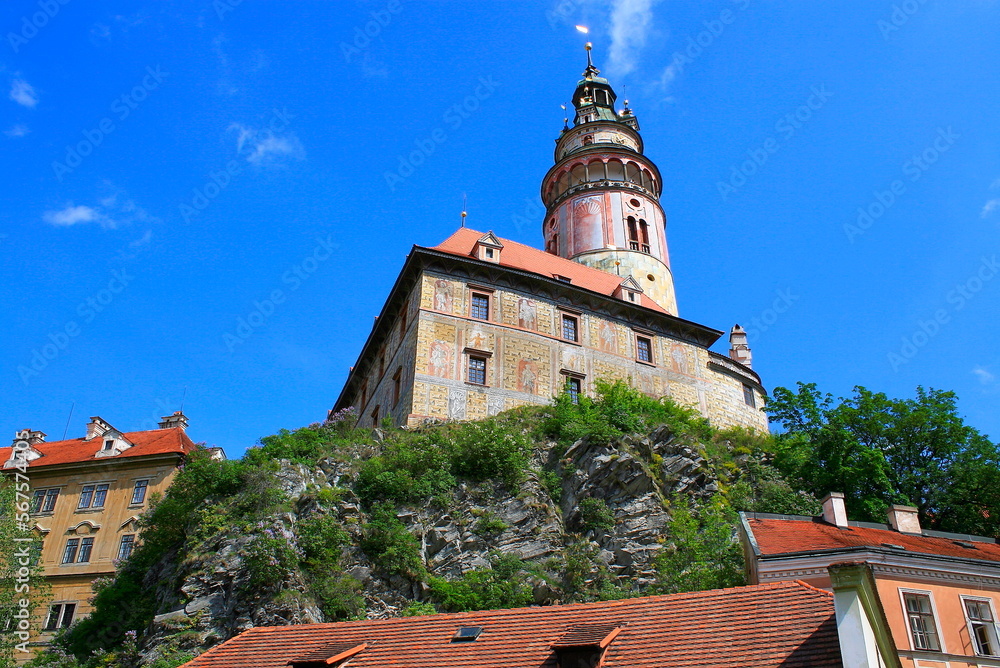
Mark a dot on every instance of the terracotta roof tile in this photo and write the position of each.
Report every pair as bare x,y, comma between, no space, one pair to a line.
154,442
781,624
785,536
526,258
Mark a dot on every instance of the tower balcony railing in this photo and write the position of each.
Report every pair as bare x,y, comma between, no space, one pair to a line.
636,246
603,184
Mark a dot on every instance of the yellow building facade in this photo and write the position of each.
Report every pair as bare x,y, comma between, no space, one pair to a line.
85,499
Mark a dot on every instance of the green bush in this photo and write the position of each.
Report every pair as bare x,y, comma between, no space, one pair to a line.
619,409
338,595
490,524
390,546
492,449
268,559
503,585
552,482
595,514
704,553
417,608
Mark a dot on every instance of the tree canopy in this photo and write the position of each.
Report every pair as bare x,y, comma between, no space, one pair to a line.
881,451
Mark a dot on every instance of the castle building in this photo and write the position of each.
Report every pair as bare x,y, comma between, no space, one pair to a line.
480,324
86,496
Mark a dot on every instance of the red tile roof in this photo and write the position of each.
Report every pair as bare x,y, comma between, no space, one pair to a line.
154,442
526,258
785,536
784,624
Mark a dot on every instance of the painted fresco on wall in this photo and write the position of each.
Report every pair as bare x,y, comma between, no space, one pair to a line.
679,359
527,376
456,404
494,405
443,300
477,339
572,361
527,314
609,342
439,360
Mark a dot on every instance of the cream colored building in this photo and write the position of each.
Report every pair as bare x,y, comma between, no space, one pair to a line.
480,324
86,497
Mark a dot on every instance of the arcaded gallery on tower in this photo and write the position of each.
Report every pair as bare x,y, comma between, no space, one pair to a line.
479,324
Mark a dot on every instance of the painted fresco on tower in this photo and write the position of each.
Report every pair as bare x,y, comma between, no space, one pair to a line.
443,300
439,360
527,376
588,223
527,314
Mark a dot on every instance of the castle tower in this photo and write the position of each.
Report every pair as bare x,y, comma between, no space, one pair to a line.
602,195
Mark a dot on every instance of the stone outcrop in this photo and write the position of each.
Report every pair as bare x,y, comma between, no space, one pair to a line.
204,597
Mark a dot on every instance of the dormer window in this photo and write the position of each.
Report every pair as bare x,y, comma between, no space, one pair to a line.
488,248
109,444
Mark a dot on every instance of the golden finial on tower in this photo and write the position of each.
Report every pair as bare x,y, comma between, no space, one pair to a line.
464,212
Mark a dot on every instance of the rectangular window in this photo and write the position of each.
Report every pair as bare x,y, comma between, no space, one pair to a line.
139,491
749,398
85,496
100,495
477,370
569,327
86,547
69,555
480,306
126,546
397,382
60,616
36,501
573,388
109,445
982,626
49,504
374,416
643,349
921,621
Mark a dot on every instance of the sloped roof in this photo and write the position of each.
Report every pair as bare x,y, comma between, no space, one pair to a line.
75,450
776,537
786,624
526,258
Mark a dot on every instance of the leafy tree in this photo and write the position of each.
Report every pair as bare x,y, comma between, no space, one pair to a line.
881,451
502,585
705,553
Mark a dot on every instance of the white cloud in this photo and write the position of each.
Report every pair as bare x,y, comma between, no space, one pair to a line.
990,207
71,215
630,24
265,146
23,93
112,212
984,376
18,130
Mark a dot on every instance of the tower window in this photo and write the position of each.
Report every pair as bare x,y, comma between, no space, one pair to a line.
588,140
480,306
644,235
397,381
569,327
749,398
633,234
477,370
644,349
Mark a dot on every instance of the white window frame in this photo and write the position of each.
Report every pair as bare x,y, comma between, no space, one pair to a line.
968,623
934,611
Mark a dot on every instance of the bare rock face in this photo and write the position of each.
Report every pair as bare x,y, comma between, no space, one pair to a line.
206,597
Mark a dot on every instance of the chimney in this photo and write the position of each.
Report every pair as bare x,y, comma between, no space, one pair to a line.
33,437
738,348
905,519
834,510
178,419
96,428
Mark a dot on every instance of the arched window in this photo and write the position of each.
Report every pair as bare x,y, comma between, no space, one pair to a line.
644,235
633,235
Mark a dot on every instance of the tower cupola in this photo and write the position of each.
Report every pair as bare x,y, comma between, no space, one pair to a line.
602,195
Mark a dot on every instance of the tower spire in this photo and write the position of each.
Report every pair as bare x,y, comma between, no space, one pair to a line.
591,71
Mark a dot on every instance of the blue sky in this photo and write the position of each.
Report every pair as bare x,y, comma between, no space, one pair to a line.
170,170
